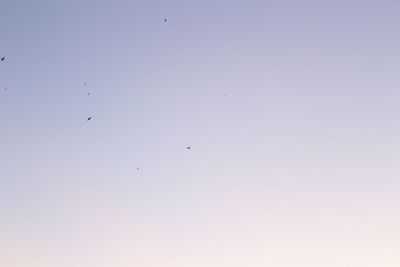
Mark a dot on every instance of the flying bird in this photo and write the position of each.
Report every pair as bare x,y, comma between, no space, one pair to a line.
2,59
188,147
88,119
165,20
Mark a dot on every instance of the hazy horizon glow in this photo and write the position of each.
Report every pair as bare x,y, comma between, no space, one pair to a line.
291,109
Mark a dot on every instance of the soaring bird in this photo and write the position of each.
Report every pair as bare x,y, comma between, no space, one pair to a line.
2,59
188,147
165,20
89,118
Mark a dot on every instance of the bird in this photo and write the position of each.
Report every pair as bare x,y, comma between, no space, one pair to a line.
165,20
2,58
188,147
88,93
88,119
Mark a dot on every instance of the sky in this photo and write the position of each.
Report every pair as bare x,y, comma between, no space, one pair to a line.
291,109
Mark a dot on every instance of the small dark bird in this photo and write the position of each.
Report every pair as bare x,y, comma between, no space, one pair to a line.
2,59
165,20
188,147
88,93
89,118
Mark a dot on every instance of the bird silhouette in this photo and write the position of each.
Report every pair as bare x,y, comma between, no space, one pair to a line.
88,119
2,58
165,20
188,147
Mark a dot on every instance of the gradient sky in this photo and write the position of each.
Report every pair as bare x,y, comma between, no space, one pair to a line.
297,165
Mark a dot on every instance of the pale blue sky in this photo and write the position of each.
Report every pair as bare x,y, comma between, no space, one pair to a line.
297,165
